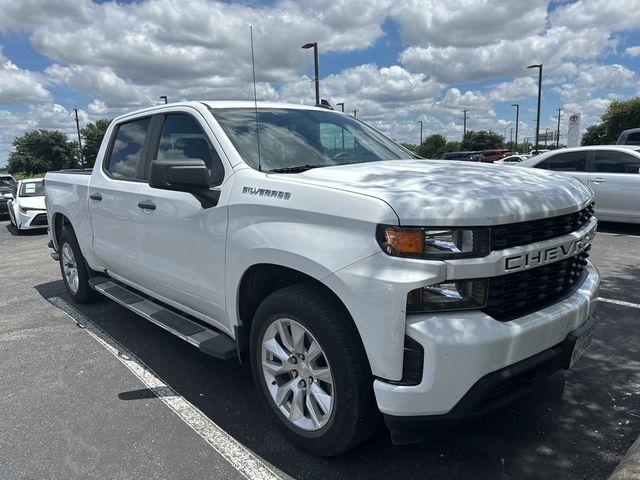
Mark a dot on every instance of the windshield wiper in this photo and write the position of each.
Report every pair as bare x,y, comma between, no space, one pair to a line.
296,169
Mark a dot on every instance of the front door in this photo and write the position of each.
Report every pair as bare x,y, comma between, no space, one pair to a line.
182,253
615,179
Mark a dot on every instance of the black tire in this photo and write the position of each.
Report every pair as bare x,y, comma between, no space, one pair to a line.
354,416
83,293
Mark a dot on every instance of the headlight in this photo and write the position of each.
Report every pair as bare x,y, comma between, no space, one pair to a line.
450,295
434,243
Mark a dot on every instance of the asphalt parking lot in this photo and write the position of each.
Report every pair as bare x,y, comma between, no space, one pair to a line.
70,408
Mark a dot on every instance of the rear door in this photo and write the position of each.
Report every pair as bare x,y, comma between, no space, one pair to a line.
113,198
615,178
182,253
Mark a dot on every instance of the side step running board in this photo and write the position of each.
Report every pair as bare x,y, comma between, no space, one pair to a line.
208,340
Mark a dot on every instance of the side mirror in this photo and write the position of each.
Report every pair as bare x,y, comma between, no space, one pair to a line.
7,196
188,175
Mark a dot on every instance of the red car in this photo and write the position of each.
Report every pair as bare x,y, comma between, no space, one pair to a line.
491,156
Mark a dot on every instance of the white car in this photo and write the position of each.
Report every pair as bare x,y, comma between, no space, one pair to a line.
512,159
612,171
27,209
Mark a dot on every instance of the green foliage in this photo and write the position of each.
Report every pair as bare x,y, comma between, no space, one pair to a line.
39,151
481,140
410,146
92,136
452,147
433,146
597,135
619,116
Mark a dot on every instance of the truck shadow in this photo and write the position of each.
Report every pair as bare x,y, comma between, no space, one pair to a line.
577,430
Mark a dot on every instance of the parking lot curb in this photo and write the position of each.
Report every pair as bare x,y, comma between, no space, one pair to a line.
629,466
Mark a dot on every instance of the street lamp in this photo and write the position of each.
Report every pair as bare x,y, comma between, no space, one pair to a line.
163,97
420,122
341,105
464,124
539,67
517,121
314,45
558,131
546,134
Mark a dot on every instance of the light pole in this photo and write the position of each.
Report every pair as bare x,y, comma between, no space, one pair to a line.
517,121
539,67
314,45
163,97
355,112
558,131
420,122
464,124
546,134
341,105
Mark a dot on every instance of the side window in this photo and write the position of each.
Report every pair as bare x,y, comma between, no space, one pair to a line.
569,162
182,138
609,161
126,153
544,164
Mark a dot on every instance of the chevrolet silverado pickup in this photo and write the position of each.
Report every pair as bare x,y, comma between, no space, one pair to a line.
360,282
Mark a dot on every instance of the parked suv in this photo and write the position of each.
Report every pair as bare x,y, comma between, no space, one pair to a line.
612,171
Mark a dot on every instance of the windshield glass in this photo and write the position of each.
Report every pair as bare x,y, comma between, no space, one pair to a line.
31,189
6,182
292,138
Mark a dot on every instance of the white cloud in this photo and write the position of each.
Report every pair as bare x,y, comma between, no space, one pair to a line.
18,85
506,58
633,51
467,23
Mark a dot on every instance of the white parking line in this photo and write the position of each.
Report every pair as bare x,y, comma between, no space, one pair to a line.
619,302
244,461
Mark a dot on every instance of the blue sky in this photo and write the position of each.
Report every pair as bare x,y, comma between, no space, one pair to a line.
396,62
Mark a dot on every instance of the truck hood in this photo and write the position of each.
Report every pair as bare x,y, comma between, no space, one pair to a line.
448,193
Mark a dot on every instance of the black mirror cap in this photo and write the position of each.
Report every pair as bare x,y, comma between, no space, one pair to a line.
188,175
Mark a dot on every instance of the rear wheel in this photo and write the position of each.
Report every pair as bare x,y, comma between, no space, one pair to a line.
74,269
311,369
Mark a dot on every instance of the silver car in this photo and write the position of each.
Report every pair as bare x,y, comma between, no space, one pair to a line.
612,171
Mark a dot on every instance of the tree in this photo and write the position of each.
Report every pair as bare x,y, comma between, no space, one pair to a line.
452,146
596,135
481,140
92,136
433,146
410,146
619,116
39,151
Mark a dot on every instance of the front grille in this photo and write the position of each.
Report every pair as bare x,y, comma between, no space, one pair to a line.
523,233
39,219
517,294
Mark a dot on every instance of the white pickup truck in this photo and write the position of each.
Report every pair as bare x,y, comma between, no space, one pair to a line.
358,278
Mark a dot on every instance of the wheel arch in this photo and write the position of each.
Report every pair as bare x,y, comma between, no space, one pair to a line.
262,279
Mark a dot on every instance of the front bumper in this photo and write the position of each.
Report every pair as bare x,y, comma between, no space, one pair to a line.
461,348
32,219
493,390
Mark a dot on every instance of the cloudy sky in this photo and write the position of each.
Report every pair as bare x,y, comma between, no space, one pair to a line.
396,62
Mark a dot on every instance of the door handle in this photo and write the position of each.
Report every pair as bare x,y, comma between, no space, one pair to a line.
147,205
597,180
96,196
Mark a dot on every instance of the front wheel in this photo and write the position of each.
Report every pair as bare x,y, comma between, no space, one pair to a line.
311,369
74,270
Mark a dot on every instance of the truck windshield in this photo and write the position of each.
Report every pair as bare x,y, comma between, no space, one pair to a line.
295,140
